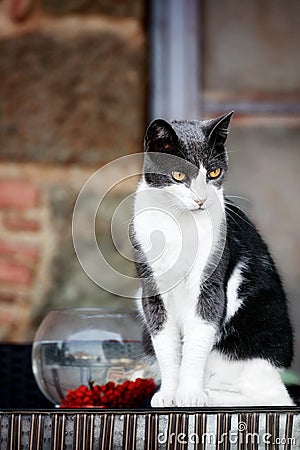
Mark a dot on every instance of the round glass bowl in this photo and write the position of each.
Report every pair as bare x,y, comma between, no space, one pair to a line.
73,347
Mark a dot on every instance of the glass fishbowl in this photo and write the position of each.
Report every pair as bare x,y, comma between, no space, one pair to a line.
74,347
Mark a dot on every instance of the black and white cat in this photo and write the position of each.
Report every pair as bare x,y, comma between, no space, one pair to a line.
212,303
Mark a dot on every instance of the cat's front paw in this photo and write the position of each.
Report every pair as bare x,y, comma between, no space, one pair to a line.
188,397
163,399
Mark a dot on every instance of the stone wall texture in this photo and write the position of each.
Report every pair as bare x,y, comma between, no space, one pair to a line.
72,98
73,90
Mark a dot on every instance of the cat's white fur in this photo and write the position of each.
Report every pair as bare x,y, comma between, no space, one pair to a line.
178,239
234,282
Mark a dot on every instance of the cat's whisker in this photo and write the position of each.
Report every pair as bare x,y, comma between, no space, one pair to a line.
234,220
237,206
217,157
212,149
242,198
214,158
238,215
171,205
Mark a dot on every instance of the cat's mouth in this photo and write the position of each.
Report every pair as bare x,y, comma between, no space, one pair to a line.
197,208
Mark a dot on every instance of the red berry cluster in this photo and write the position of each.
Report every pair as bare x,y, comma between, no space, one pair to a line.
130,394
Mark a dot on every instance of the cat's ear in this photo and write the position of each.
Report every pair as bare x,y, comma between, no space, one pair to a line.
160,137
217,129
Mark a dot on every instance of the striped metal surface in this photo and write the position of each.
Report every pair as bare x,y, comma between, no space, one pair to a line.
185,429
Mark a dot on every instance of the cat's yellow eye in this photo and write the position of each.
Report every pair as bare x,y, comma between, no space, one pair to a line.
179,176
214,173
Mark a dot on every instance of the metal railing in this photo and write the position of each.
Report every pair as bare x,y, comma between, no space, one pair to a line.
174,429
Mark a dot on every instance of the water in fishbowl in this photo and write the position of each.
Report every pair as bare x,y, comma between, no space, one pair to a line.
62,365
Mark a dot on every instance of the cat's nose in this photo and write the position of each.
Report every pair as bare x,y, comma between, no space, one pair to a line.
200,202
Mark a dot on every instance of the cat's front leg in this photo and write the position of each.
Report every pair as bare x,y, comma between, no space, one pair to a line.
198,340
167,348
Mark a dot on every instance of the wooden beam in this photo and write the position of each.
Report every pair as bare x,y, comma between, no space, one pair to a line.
251,107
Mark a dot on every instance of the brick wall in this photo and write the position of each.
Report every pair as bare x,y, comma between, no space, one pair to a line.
72,97
26,245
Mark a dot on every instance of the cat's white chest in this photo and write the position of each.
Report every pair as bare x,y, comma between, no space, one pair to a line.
177,248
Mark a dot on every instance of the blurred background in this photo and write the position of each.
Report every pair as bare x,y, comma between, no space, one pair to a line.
79,81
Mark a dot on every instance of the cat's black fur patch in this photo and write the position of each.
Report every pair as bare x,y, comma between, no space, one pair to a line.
261,327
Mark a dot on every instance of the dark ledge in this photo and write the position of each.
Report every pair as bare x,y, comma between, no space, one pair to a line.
184,428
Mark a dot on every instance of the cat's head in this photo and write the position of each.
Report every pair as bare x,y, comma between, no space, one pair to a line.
187,159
